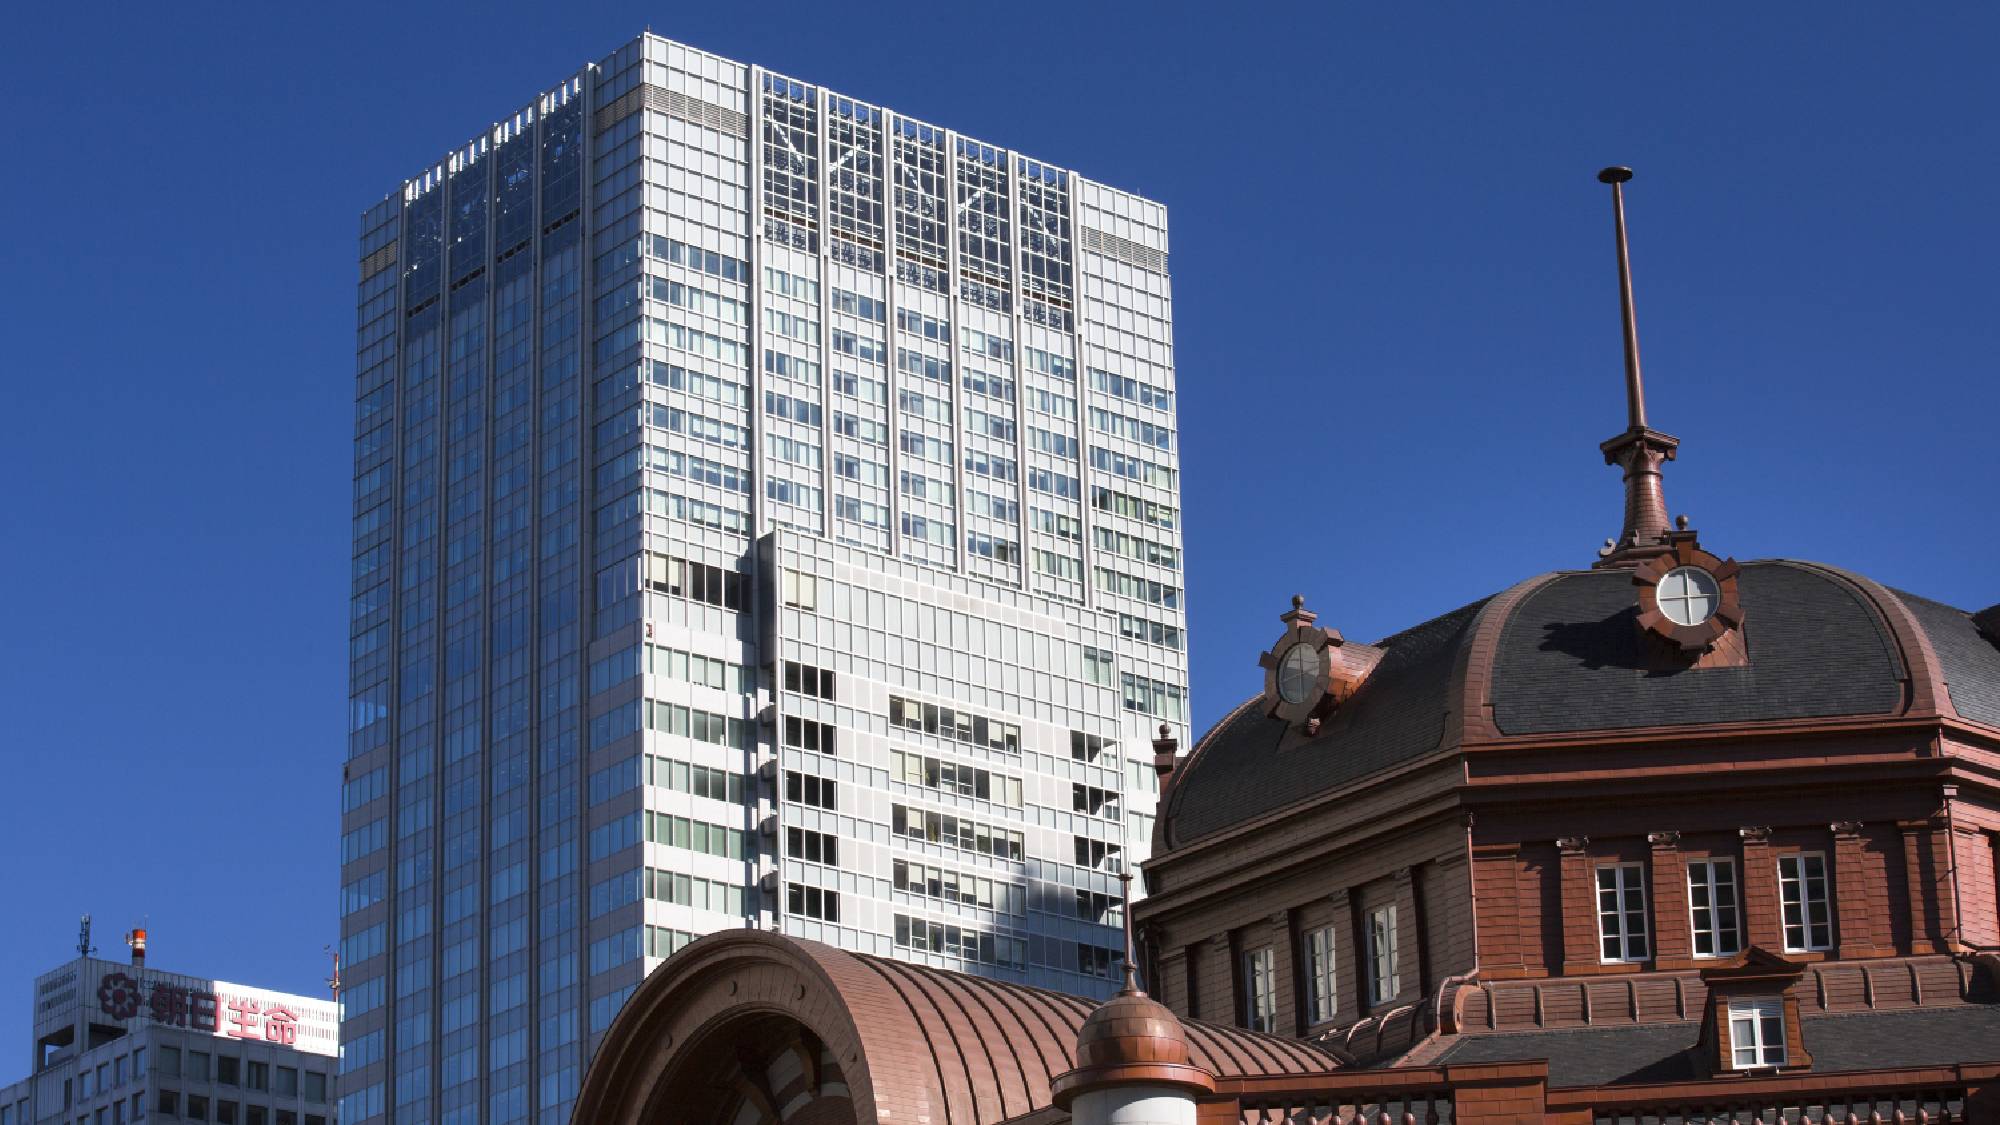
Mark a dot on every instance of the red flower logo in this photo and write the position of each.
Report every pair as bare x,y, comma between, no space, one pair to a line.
118,995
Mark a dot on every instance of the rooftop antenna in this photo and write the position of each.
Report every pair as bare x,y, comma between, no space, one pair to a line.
83,946
1125,913
1640,450
333,982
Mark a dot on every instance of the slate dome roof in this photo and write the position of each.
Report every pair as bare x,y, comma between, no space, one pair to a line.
1561,653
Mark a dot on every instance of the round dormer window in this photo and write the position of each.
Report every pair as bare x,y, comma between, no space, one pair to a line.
1298,673
1689,595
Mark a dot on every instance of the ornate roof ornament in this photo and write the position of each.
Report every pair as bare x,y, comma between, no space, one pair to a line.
1304,675
1687,596
1640,450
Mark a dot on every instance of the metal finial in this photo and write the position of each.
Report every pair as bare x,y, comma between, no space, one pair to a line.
1298,601
1635,389
1681,522
1125,912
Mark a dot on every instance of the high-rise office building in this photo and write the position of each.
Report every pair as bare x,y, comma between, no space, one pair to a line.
766,514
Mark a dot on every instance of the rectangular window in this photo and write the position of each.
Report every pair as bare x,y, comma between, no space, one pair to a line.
1808,908
801,590
1621,912
805,734
1756,1033
805,789
812,902
808,680
1383,980
813,847
1320,969
1712,907
1260,990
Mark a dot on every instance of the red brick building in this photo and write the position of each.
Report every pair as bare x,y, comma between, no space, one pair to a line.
1664,838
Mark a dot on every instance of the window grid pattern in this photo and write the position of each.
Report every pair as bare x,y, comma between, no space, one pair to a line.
1322,975
1713,911
1384,979
1260,989
1621,912
985,245
854,145
791,163
1806,904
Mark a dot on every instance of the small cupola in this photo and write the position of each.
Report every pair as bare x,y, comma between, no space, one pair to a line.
1132,1064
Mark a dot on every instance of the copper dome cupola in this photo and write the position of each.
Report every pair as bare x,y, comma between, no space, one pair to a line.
1131,1040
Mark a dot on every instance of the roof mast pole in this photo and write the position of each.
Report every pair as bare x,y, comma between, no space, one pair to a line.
1635,387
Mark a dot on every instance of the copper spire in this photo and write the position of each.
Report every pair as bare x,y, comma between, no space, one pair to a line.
1640,450
1125,914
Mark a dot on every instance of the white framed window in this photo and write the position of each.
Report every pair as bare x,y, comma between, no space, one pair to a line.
1383,981
1325,986
1621,912
801,590
1756,1033
1260,989
1808,907
1714,913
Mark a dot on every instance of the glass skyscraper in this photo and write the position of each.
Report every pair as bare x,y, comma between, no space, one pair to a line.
766,513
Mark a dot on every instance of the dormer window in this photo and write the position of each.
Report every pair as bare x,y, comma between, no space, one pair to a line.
1688,598
1311,671
1753,1018
1757,1032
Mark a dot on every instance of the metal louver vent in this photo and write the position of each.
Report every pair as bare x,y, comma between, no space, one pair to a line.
1125,250
378,261
673,103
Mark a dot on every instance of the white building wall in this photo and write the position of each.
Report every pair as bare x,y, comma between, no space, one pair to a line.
810,329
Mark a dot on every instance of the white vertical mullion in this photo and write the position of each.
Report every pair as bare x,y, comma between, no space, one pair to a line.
954,312
1087,527
825,178
892,484
1017,294
754,258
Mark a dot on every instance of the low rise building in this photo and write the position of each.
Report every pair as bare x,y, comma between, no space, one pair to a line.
119,1043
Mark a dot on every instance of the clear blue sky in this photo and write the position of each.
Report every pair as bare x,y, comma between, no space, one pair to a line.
1397,343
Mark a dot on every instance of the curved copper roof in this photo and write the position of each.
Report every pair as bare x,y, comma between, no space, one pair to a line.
912,1043
1559,653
